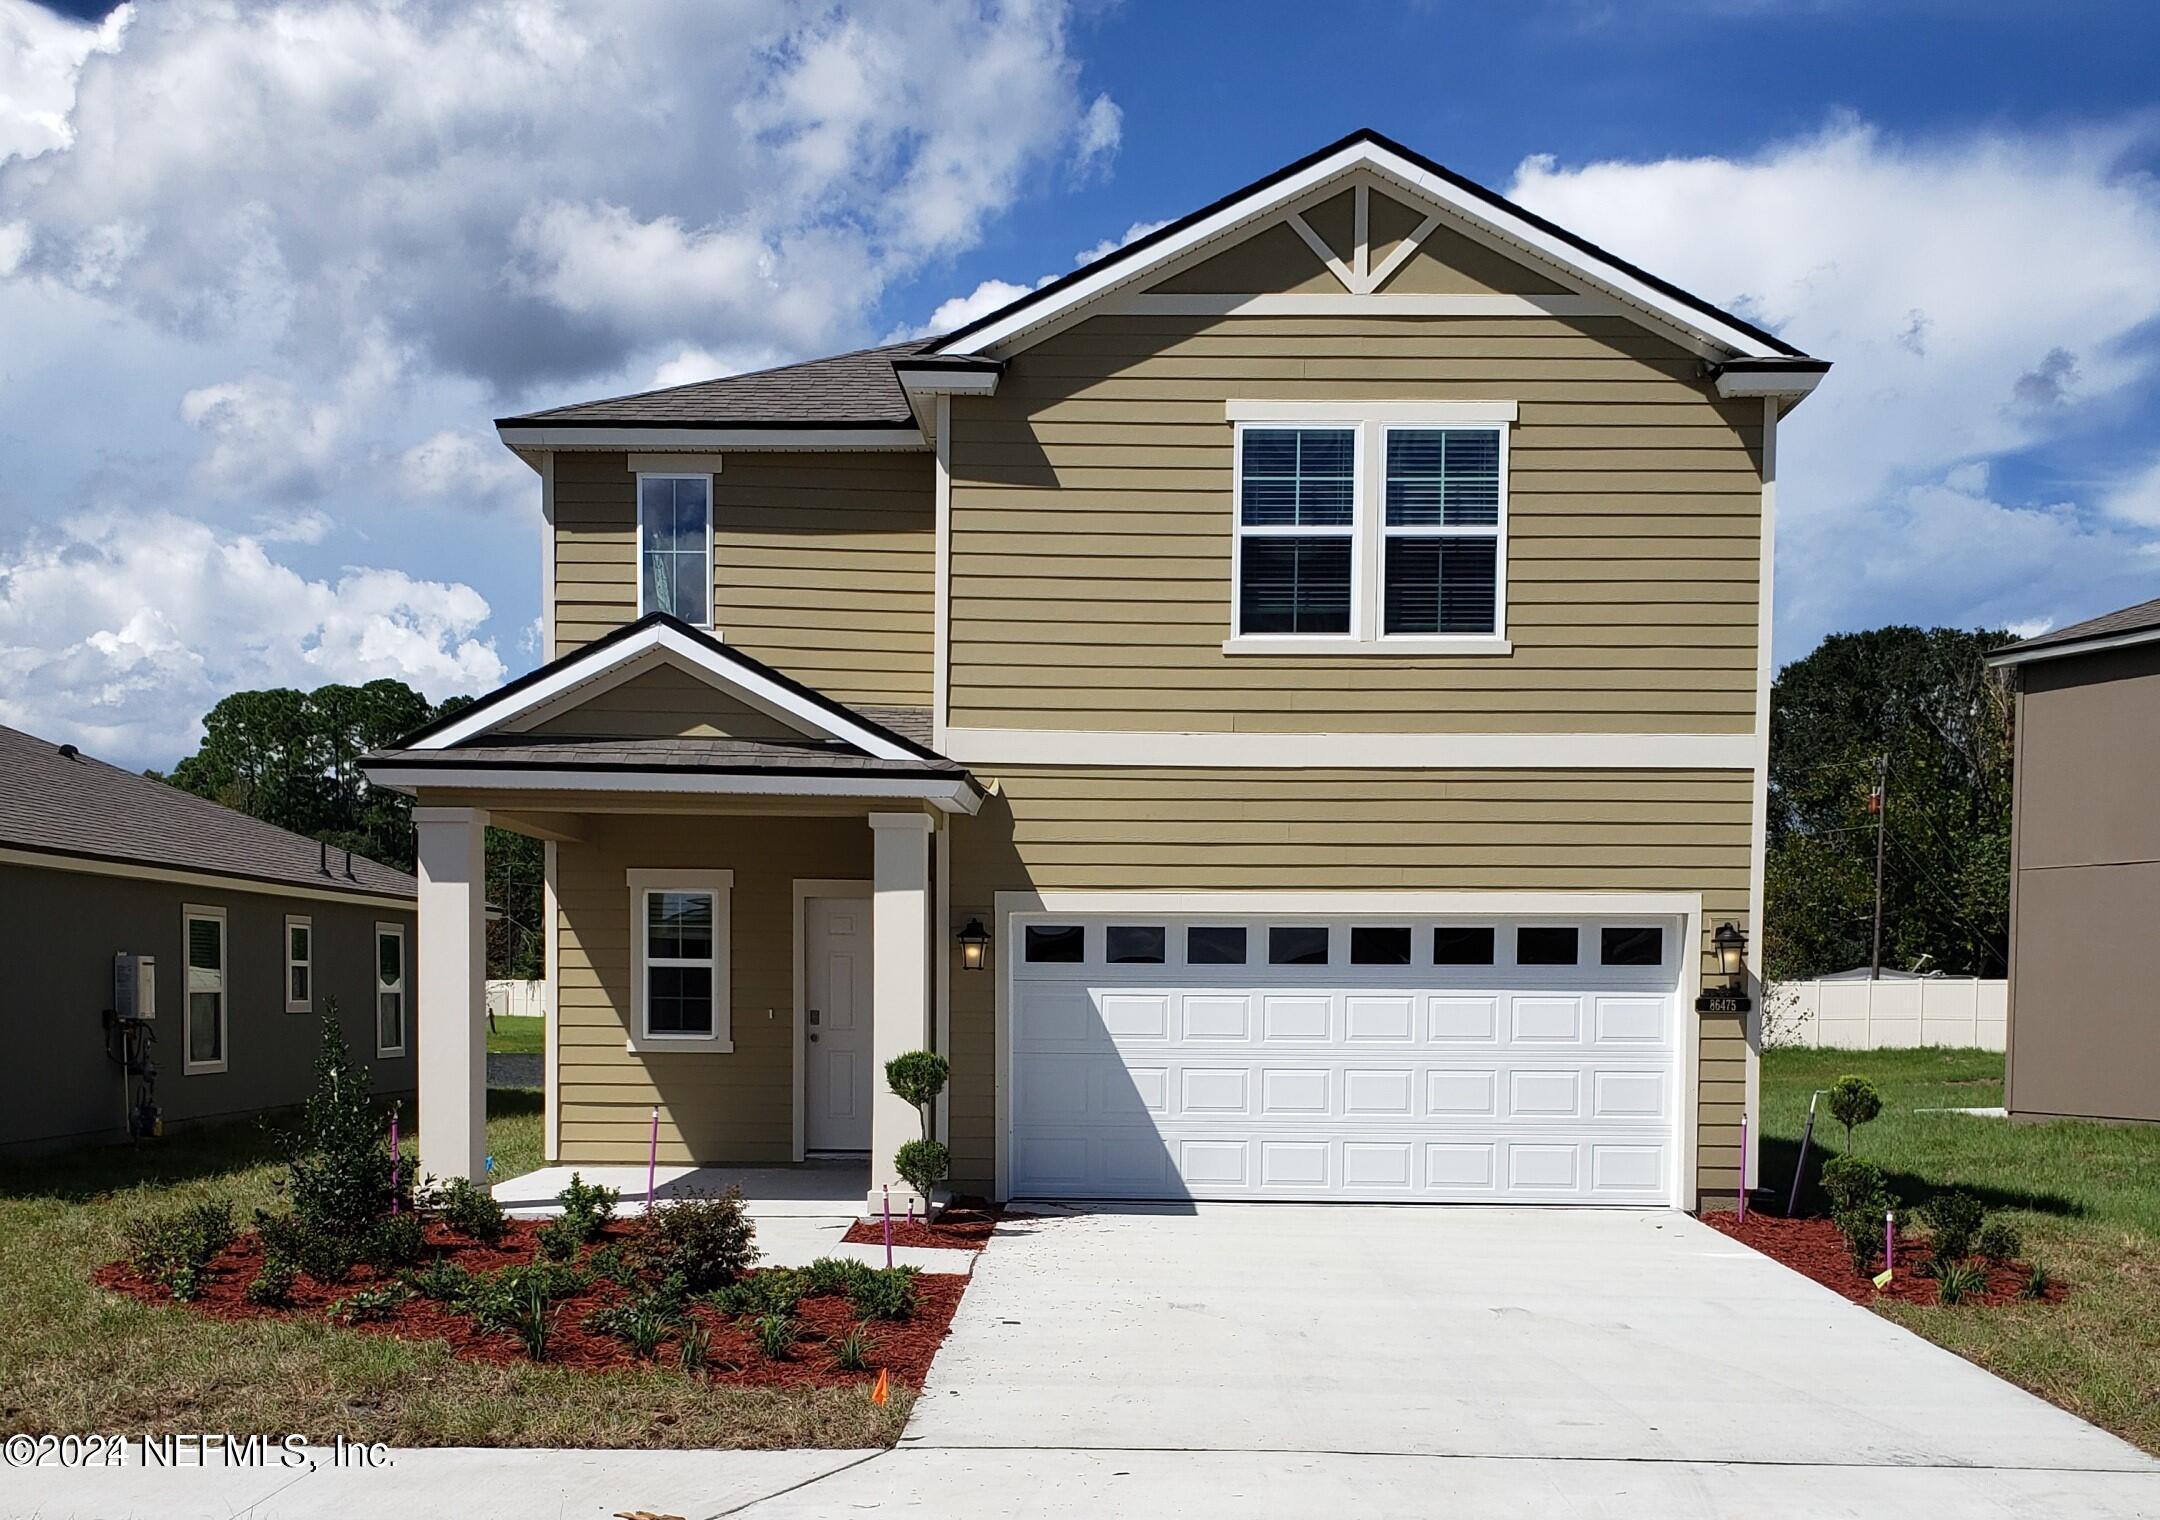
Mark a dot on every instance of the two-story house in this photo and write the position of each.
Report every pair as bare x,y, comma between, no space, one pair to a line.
1283,708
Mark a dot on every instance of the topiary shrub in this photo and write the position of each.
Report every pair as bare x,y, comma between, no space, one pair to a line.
1854,1102
923,1164
1953,1220
919,1076
706,1241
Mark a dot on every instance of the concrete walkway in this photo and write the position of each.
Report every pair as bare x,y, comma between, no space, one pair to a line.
1242,1361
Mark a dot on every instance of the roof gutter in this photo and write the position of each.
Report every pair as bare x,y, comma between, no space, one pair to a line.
1790,380
2019,654
645,438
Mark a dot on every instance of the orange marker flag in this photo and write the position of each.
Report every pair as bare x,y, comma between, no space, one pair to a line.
882,1389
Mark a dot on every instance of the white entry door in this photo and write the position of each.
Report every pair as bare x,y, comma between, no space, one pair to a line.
1330,1057
836,1014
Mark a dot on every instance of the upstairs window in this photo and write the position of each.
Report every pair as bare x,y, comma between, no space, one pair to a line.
675,546
1375,527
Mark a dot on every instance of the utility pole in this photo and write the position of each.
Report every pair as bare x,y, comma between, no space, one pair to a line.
1879,805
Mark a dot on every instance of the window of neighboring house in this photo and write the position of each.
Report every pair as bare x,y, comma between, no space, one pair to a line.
204,1037
390,975
1374,534
679,960
299,965
675,546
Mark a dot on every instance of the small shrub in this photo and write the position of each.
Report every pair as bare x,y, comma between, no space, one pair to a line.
1862,1229
273,1284
1998,1241
884,1293
497,1299
695,1349
558,1241
776,1290
1851,1183
923,1164
586,1208
444,1281
370,1305
1953,1219
175,1250
918,1076
611,1263
832,1276
469,1209
338,1164
2036,1282
394,1240
1853,1102
706,1241
327,1255
852,1354
1957,1281
775,1335
642,1323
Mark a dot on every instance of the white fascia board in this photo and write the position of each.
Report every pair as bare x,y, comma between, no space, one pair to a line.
708,440
1370,411
1288,192
948,796
1375,751
659,640
1768,382
2075,646
1148,303
948,382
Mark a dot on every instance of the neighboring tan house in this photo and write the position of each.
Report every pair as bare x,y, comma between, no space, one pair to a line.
149,927
2085,870
1322,646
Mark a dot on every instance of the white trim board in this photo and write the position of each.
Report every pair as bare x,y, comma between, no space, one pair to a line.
1397,176
209,880
600,667
717,883
1405,413
1686,906
948,796
1155,304
1375,751
706,440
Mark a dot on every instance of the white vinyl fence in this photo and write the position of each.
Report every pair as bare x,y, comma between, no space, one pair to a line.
516,1000
1872,1015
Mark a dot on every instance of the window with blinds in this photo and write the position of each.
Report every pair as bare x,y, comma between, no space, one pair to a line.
1442,531
1297,519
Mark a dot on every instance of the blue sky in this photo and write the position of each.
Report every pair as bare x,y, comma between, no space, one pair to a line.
265,275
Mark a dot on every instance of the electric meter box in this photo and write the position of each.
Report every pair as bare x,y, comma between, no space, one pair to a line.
135,985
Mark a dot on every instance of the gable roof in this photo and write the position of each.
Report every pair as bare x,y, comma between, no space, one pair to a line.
57,801
2127,625
1543,240
852,390
627,650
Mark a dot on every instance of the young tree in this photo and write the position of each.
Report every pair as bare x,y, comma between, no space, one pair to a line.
1853,1102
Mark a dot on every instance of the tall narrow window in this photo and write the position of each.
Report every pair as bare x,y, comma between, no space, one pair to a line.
204,1050
679,960
299,965
389,989
675,546
1297,509
1442,531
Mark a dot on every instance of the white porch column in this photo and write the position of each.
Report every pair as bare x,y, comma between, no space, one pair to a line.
900,988
452,991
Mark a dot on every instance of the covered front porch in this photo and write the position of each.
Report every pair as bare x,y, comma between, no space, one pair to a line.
743,907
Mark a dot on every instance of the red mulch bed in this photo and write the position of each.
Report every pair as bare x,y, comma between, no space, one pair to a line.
1814,1248
959,1228
902,1347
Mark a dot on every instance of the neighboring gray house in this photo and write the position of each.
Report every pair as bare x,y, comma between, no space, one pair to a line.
168,959
2085,870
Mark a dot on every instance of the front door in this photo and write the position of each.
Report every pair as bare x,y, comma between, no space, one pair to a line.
836,1012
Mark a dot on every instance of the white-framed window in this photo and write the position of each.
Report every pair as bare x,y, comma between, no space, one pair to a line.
674,537
1380,529
202,932
679,960
299,964
391,976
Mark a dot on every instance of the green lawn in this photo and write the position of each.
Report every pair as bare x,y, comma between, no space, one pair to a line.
76,1359
2086,1197
517,1037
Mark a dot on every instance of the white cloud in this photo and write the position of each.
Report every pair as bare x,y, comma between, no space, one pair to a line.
1101,131
474,468
2136,498
1978,296
1108,246
118,629
958,311
40,55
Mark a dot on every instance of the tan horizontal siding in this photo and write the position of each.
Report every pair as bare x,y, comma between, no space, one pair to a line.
734,1108
822,564
1093,531
1111,829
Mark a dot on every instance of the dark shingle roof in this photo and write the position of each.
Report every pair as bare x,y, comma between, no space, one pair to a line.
2138,619
74,805
846,390
607,753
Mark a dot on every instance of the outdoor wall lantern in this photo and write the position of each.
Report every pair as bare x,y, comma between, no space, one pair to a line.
1731,947
974,945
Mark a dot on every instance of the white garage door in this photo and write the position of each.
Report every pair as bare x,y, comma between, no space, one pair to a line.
1332,1058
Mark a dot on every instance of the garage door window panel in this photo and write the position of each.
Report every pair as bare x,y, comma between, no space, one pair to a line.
1134,944
1631,945
1215,945
1298,945
1378,945
1055,944
1547,945
1456,945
